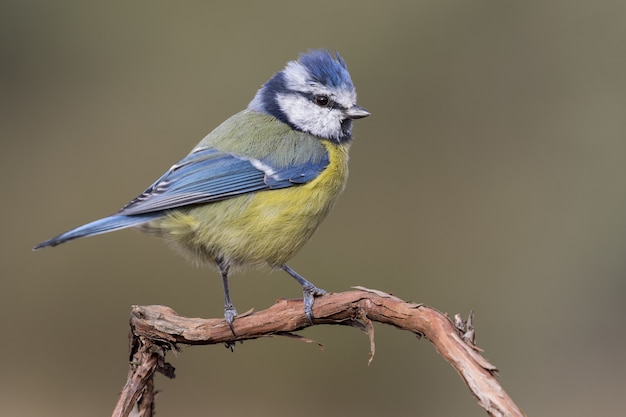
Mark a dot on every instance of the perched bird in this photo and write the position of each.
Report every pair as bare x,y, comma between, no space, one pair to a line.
255,189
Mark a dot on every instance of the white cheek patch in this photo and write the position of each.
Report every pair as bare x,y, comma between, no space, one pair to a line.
309,117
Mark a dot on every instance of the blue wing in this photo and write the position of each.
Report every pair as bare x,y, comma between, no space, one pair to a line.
208,175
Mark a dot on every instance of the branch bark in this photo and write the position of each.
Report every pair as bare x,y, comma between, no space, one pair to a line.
157,329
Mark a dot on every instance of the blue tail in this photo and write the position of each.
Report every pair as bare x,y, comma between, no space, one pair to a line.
108,224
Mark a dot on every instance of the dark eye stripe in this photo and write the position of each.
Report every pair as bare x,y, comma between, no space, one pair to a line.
313,98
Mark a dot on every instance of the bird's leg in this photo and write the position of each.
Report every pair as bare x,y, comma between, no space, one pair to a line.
229,309
308,289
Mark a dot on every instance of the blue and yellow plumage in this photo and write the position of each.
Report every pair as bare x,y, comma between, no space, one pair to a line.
255,189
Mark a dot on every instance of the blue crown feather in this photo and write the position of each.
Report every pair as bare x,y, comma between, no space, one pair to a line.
326,68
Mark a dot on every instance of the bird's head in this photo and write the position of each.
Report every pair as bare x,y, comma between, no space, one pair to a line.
314,94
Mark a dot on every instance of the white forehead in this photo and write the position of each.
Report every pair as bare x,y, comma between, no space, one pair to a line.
298,78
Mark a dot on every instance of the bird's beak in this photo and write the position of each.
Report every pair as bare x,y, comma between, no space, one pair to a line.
357,112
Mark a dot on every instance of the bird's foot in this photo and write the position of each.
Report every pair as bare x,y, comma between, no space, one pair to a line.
310,292
229,315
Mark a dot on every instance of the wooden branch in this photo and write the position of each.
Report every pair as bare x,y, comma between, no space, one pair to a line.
157,329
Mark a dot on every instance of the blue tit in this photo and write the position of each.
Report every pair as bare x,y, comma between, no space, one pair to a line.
256,188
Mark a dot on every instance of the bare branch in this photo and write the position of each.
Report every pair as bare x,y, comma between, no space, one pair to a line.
157,329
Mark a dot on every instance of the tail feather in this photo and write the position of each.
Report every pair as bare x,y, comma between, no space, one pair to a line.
108,224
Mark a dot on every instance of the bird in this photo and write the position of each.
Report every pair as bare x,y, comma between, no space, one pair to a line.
256,188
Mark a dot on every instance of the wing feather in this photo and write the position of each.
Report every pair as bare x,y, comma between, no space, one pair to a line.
207,175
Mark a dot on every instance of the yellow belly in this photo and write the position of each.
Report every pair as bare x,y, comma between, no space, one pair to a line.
266,227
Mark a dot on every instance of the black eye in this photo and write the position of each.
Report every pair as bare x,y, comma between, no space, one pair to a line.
322,101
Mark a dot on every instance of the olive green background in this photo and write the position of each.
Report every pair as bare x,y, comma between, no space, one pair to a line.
490,176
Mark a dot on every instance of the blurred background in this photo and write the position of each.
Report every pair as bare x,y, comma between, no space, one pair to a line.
490,176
